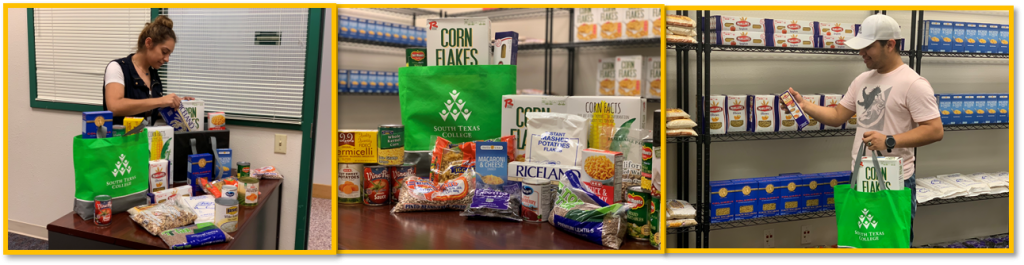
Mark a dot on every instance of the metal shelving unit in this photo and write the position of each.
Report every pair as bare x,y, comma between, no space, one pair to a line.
375,43
703,142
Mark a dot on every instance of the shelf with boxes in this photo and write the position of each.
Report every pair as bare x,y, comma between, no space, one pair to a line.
360,82
379,33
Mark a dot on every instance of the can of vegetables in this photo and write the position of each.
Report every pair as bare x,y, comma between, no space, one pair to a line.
248,191
376,185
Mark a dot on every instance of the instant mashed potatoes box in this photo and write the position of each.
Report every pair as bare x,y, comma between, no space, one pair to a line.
458,41
513,115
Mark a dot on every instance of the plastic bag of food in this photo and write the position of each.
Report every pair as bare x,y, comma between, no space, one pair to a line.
580,212
203,206
209,187
493,203
680,223
555,138
193,236
447,162
468,149
679,209
157,218
267,172
421,194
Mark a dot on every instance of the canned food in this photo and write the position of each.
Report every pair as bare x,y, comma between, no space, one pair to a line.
118,130
350,183
375,185
654,221
397,175
638,215
415,57
249,191
103,211
243,169
391,141
230,192
538,199
645,170
226,215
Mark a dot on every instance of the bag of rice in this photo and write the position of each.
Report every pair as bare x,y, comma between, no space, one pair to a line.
681,124
945,189
925,194
974,188
156,218
426,195
555,138
580,212
679,209
995,184
680,223
193,236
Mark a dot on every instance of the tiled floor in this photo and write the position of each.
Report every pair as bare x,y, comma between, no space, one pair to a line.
20,242
320,228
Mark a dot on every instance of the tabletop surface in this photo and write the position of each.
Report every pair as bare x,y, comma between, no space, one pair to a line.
376,228
122,231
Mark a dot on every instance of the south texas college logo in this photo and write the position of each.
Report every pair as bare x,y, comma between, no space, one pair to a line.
122,167
867,220
459,110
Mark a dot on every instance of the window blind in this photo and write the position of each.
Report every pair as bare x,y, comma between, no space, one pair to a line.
247,63
74,45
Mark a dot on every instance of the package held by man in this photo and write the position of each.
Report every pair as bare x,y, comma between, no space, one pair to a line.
889,174
458,41
513,115
788,105
189,117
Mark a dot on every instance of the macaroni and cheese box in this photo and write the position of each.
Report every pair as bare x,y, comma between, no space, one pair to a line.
721,201
792,26
763,113
979,108
959,34
610,21
629,75
1004,109
992,45
186,118
739,38
769,190
813,192
991,108
603,174
342,81
945,108
736,116
970,109
744,199
97,123
971,38
837,29
492,166
939,36
956,104
217,121
1004,39
131,122
793,41
360,28
812,124
200,167
792,193
513,115
586,25
738,23
834,42
344,26
606,77
831,101
458,41
652,77
223,167
983,38
637,23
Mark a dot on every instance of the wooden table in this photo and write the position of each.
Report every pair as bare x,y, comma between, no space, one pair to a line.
258,229
376,228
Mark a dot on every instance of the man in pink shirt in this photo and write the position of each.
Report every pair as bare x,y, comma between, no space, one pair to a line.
895,107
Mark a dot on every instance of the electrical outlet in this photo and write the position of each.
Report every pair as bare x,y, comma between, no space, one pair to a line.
805,234
280,143
769,238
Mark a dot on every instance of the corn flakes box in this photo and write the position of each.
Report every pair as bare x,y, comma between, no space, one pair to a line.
655,17
189,117
606,77
652,77
586,28
603,174
96,123
513,115
357,146
637,23
745,199
627,112
739,23
629,75
611,23
458,41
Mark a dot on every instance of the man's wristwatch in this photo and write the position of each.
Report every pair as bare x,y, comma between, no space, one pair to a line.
890,143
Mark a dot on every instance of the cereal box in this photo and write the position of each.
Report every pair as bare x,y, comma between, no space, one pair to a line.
629,75
1004,108
991,108
969,109
971,38
737,113
745,199
216,121
586,24
832,101
97,123
652,77
513,115
812,124
506,48
357,146
223,167
834,42
769,191
603,174
945,108
610,21
762,113
793,41
787,104
738,23
792,26
200,167
836,29
939,36
637,23
628,112
957,105
654,14
606,77
739,38
992,45
186,118
492,166
812,193
721,201
891,174
792,193
959,34
458,41
1004,39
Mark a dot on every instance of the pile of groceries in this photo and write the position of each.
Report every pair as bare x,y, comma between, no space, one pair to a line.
199,212
582,164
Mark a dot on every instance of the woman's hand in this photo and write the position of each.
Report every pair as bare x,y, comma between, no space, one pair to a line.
171,101
188,98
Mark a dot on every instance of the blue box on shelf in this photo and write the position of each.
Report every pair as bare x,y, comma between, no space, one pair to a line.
939,36
361,29
829,182
970,109
945,107
792,192
744,199
993,38
958,36
721,201
971,38
957,105
343,26
342,81
769,190
1004,108
991,108
813,191
1004,39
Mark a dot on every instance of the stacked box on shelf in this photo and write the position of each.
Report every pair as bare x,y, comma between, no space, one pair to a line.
1004,39
745,199
972,38
1004,108
792,193
945,108
959,34
739,31
970,109
769,190
993,38
956,105
793,33
939,36
814,189
343,26
343,81
721,201
991,108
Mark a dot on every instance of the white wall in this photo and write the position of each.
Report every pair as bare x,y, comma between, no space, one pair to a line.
748,73
40,168
323,166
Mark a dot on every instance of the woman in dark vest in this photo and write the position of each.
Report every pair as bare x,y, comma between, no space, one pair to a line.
131,85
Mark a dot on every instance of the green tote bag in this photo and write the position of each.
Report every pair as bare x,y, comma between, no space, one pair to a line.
458,103
872,219
117,166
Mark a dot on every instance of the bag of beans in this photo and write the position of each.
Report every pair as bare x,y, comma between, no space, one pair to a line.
580,212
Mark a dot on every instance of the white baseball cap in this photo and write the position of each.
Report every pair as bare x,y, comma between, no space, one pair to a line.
875,28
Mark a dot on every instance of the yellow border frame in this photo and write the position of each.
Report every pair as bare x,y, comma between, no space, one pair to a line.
867,8
659,251
334,220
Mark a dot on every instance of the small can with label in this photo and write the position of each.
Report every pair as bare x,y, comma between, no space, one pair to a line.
376,185
118,130
647,154
230,192
103,211
397,175
415,57
249,191
638,215
538,199
350,183
243,169
226,214
391,141
654,220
